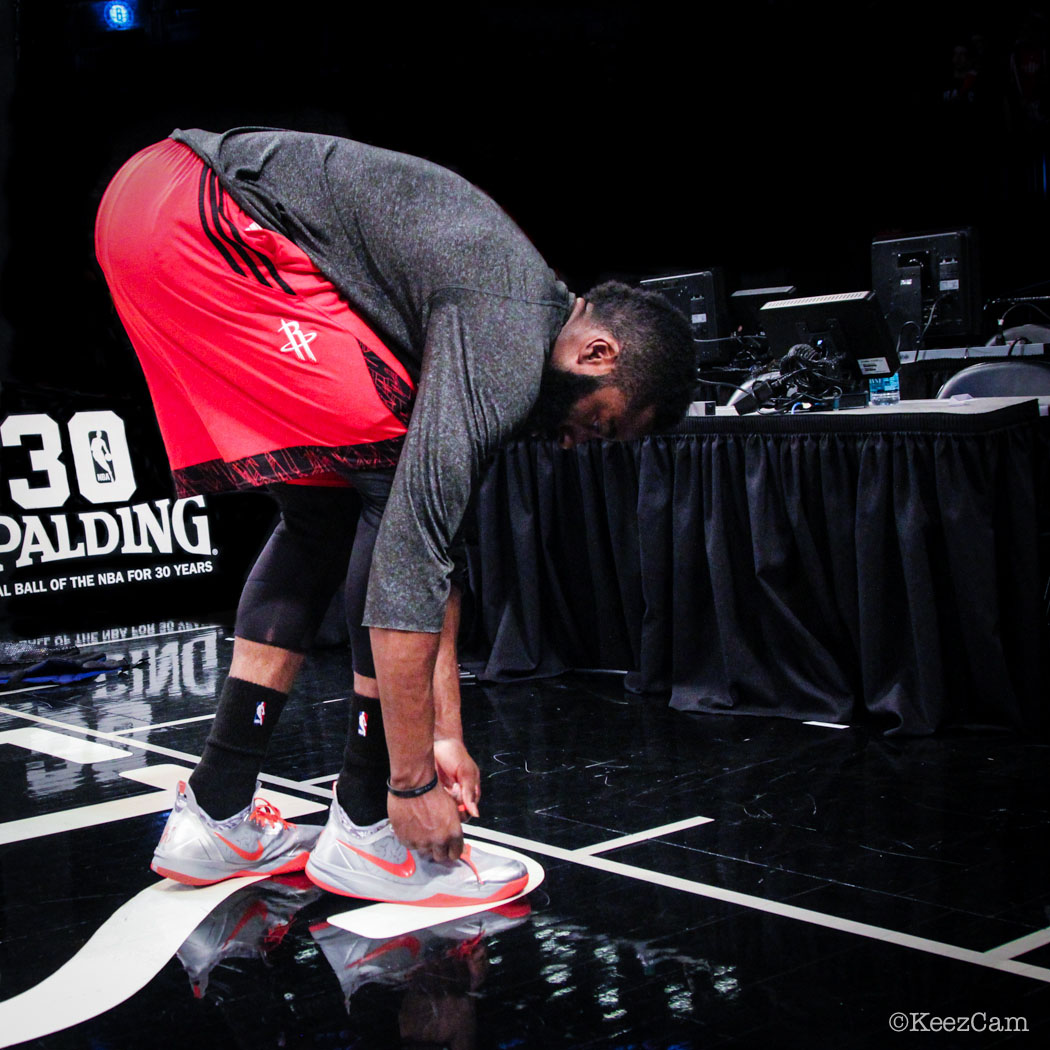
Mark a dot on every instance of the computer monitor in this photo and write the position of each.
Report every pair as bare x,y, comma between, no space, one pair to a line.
845,335
701,297
929,287
746,303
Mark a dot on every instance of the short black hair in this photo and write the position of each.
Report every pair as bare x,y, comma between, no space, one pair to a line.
657,363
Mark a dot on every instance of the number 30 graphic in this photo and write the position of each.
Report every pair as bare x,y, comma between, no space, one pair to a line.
101,459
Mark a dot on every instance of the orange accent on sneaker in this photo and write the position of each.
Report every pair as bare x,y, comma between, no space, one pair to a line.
336,889
246,854
437,900
296,863
443,900
465,857
405,870
185,880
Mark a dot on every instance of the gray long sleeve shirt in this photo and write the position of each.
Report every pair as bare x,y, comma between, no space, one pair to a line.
454,289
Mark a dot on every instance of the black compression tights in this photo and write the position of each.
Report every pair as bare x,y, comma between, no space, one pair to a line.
314,548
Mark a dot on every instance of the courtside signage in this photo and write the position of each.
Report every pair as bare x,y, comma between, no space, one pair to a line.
69,516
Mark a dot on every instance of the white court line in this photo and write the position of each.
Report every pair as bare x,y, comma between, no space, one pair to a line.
164,777
826,725
84,817
1028,943
641,836
59,745
162,725
32,688
786,911
182,756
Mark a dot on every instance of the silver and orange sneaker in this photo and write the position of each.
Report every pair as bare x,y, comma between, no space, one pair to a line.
371,863
197,851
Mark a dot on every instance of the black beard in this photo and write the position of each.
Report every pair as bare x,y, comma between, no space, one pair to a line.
559,391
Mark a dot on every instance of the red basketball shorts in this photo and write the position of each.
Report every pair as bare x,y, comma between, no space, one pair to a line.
258,370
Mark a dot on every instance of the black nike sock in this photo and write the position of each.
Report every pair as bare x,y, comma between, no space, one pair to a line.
224,780
361,788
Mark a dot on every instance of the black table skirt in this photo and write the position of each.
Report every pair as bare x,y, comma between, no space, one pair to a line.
837,567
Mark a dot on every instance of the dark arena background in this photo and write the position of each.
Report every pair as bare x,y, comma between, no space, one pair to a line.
767,702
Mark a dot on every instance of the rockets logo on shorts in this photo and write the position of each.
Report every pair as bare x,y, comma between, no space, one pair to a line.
260,713
362,724
298,341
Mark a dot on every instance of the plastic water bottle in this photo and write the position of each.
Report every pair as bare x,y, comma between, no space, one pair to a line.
885,390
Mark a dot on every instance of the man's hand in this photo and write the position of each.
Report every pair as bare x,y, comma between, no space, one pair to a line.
458,773
419,685
428,824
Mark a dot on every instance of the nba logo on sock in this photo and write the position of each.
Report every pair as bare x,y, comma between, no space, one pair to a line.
260,713
362,724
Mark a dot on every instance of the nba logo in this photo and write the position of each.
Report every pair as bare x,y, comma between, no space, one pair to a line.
260,713
362,724
98,443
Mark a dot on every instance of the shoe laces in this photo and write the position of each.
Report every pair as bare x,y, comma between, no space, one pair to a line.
465,858
266,813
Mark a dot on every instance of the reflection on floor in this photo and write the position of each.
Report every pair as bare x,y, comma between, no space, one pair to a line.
710,881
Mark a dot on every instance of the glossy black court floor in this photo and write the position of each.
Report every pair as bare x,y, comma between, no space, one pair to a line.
838,879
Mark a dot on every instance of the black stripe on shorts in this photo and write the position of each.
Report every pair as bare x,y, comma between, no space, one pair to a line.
202,196
214,189
245,250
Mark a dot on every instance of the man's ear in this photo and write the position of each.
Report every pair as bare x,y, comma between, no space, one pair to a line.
599,354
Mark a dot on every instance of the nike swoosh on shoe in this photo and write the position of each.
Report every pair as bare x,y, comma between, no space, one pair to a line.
405,870
246,854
